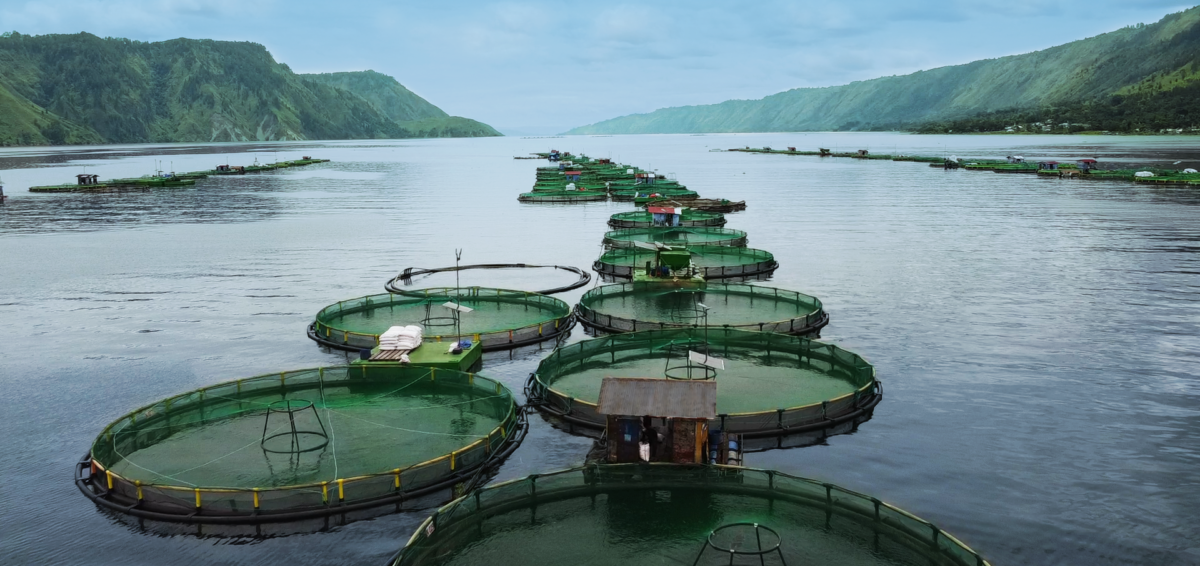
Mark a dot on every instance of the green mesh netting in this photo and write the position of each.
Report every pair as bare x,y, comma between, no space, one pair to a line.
771,381
499,316
377,428
644,305
702,236
644,219
714,262
663,514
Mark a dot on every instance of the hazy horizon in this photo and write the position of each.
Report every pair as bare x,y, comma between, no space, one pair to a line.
528,69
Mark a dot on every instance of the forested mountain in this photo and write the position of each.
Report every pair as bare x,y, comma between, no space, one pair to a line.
1143,59
72,89
416,114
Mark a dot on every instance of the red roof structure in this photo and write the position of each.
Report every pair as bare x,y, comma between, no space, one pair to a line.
660,210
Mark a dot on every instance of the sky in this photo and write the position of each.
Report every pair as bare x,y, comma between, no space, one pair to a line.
543,68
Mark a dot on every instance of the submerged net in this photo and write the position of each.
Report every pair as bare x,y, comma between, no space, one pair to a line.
664,513
702,236
773,383
646,305
713,262
356,433
414,280
501,318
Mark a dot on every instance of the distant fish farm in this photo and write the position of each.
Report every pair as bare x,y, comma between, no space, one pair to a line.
1082,168
85,183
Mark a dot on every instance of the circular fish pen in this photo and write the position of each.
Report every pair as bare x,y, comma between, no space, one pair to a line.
500,318
407,280
702,236
633,195
650,305
772,384
301,444
644,219
563,197
621,514
713,262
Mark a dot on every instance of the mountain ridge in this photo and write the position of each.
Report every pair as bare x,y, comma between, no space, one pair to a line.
1084,69
79,88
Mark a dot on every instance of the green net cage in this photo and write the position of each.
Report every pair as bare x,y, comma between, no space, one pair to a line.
644,219
645,195
301,443
500,318
772,384
563,197
683,236
649,305
620,514
713,262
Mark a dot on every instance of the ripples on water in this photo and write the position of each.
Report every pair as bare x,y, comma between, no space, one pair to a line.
1037,338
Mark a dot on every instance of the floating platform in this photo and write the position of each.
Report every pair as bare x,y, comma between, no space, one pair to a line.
295,445
702,236
630,307
707,204
619,514
713,262
773,384
644,219
500,319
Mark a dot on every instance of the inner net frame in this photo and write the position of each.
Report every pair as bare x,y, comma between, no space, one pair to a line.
612,262
810,323
634,219
442,532
868,391
242,505
624,237
550,328
393,285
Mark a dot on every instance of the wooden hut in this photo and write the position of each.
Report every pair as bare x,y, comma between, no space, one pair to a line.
86,179
1086,165
863,153
633,406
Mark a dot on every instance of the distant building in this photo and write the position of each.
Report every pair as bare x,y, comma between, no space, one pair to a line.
1086,165
1048,165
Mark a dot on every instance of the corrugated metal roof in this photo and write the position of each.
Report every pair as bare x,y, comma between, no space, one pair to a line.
639,396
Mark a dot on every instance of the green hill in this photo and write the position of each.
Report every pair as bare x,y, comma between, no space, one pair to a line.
66,89
388,95
1086,70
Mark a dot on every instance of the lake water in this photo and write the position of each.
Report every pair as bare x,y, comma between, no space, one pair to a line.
1038,340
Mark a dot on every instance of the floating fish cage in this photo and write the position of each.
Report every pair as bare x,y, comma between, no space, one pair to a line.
772,384
649,305
633,195
618,514
564,197
499,319
644,219
682,236
414,280
712,262
301,444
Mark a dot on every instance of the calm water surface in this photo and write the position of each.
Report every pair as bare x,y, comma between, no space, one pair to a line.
1037,339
